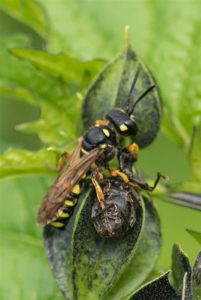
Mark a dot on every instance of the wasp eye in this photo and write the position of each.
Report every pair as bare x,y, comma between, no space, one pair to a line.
132,127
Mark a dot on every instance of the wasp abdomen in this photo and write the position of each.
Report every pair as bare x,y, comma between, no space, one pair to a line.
64,213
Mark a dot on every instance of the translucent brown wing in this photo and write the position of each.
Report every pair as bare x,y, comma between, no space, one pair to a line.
70,175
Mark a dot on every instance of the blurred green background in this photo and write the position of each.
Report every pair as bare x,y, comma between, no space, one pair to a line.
164,34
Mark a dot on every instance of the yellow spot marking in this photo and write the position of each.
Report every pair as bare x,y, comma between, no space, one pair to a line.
84,151
57,224
106,132
123,127
64,215
103,146
69,203
76,189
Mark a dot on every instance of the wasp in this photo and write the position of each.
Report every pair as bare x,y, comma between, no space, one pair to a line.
94,150
114,211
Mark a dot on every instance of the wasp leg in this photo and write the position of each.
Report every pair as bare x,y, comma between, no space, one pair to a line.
137,184
101,122
127,158
145,186
62,160
125,178
133,149
96,176
123,175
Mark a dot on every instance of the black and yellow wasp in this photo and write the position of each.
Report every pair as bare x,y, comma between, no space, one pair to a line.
99,145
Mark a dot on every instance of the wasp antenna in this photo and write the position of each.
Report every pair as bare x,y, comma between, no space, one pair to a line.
132,88
140,98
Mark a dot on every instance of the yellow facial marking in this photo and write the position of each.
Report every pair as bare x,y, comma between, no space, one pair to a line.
69,203
123,127
106,132
76,189
57,224
84,151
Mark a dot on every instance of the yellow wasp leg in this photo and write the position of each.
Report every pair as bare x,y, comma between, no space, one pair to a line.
125,178
62,160
133,149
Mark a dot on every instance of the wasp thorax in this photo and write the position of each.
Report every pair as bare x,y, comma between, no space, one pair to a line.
119,214
122,122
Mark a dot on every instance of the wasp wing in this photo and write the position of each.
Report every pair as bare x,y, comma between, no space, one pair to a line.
71,174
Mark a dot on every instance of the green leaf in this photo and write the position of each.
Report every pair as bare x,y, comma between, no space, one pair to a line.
186,288
60,108
18,162
196,234
24,271
111,89
196,278
144,258
56,126
173,63
78,35
62,66
24,77
16,92
158,289
180,266
28,12
195,153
